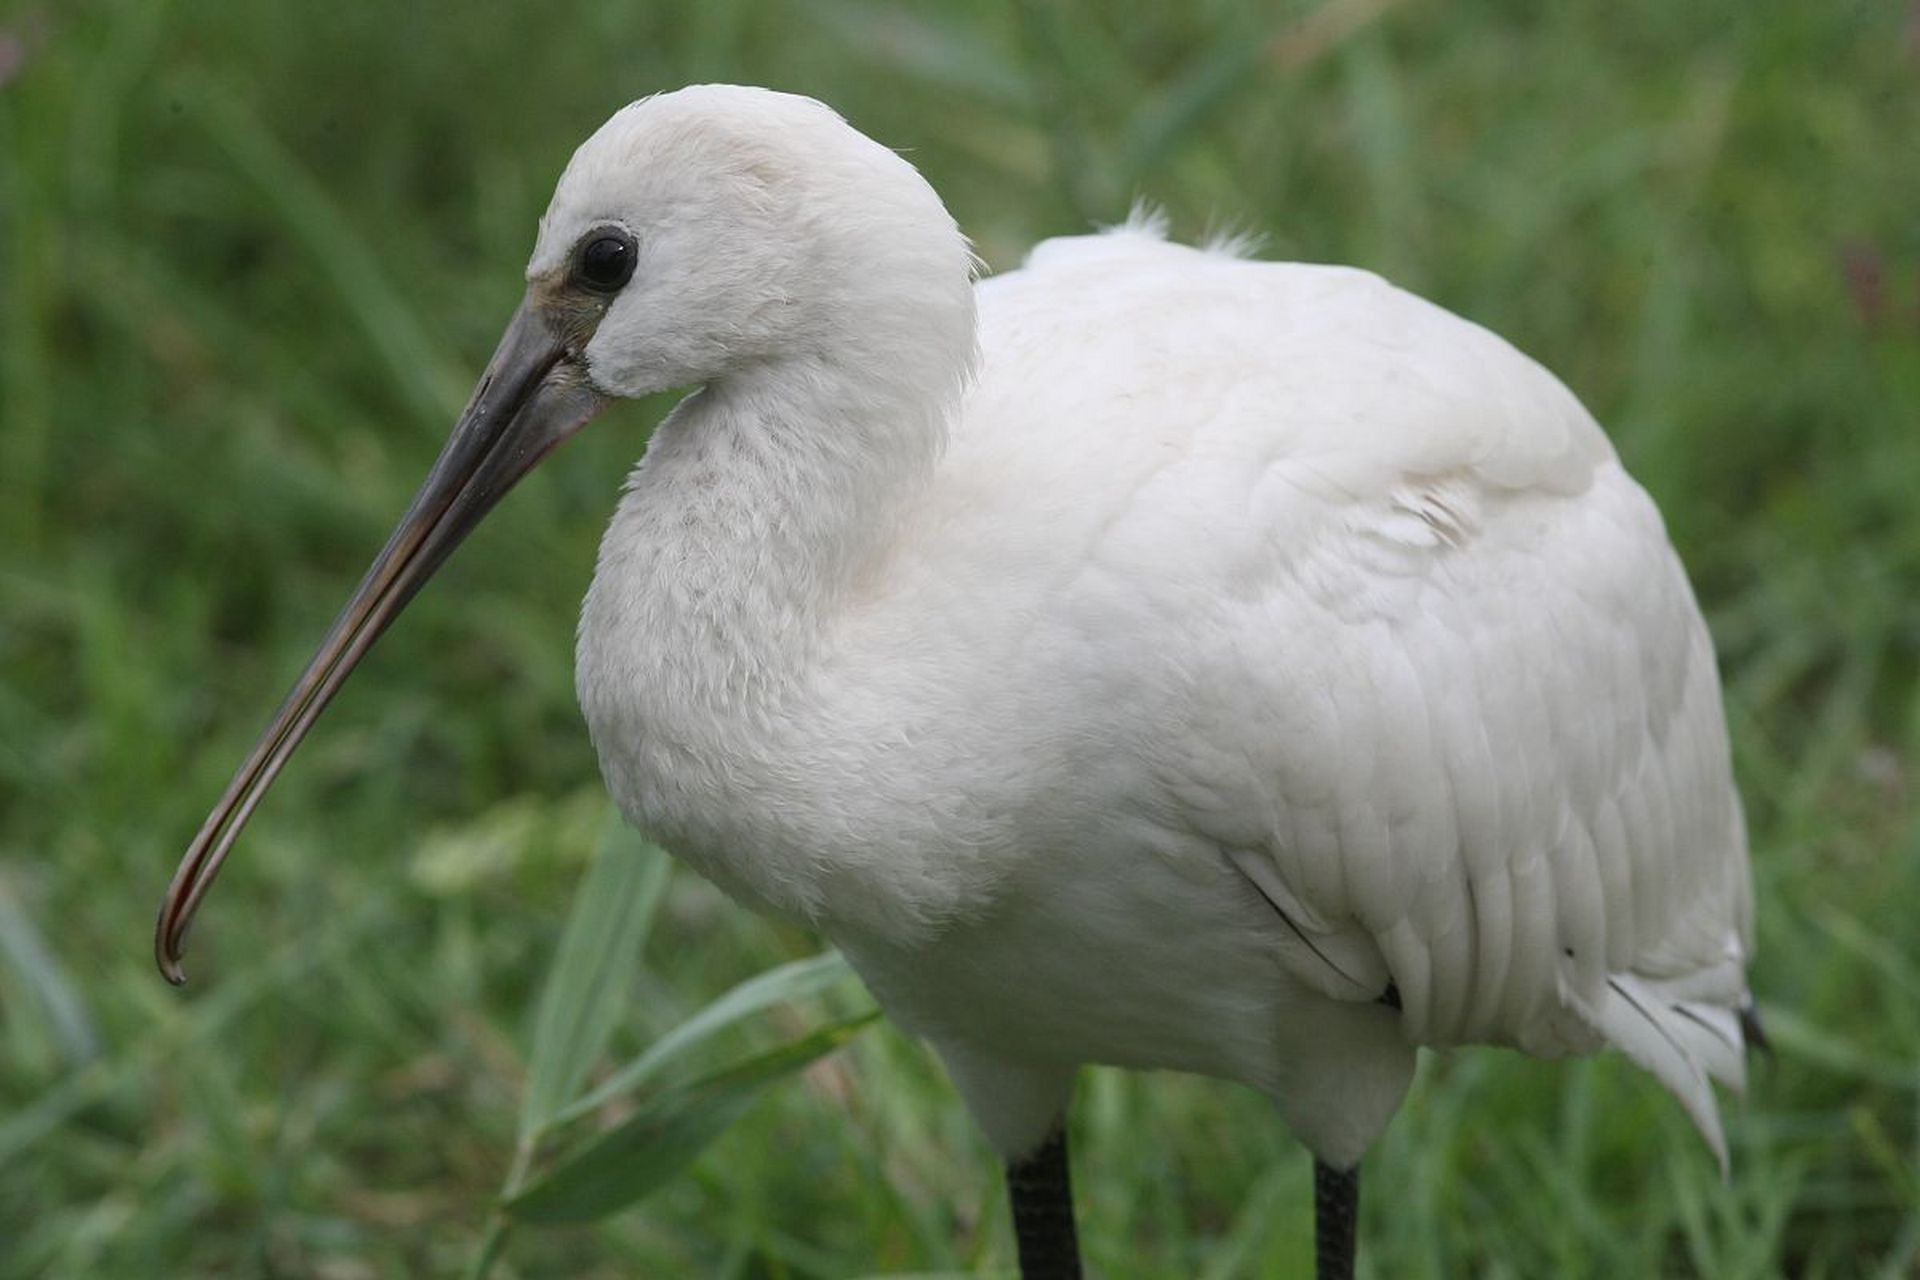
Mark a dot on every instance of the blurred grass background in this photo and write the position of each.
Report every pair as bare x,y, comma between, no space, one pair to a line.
250,256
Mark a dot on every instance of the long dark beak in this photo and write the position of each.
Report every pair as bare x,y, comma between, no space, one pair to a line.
531,398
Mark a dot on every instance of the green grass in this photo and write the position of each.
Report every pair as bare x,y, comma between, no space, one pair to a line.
251,253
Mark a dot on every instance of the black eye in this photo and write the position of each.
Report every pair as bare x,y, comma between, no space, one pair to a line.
606,261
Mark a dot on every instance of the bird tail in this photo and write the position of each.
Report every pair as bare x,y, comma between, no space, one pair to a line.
1687,1032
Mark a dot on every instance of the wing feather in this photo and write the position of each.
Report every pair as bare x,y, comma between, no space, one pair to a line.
1532,813
1445,694
1526,803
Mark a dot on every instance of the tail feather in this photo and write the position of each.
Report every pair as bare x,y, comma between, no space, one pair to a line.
1684,1043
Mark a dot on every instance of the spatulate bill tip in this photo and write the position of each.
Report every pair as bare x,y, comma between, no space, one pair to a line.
166,952
170,969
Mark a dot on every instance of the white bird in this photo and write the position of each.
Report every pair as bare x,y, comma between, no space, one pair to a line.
1146,657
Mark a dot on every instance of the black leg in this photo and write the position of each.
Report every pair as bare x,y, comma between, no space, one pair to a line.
1336,1213
1042,1193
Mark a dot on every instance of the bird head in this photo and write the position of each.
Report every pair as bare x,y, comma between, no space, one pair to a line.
695,235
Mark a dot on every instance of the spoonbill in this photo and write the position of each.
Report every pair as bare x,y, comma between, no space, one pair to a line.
1148,657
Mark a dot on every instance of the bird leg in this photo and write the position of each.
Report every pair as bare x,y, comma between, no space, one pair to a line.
1336,1214
1041,1189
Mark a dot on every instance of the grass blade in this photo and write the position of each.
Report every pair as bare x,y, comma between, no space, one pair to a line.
214,1015
925,47
420,371
789,982
24,949
667,1133
592,971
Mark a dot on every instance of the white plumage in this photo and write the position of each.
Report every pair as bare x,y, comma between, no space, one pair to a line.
1221,642
1146,657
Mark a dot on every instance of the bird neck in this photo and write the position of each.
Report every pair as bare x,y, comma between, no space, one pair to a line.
765,510
763,503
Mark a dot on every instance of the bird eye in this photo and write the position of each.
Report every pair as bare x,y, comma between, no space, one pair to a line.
606,262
